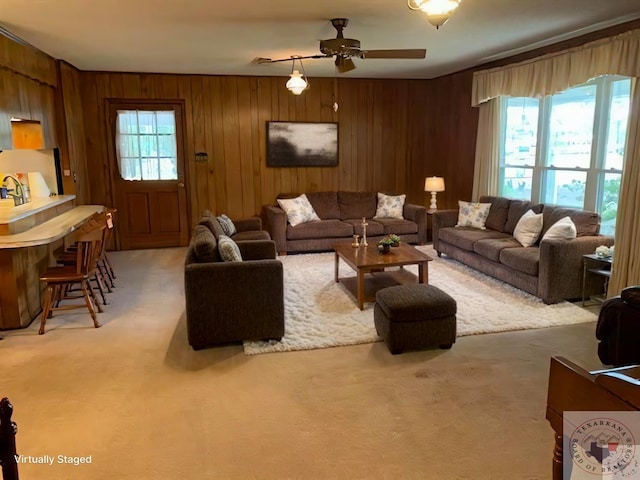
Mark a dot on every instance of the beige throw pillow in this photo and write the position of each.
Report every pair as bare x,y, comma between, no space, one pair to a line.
228,249
528,228
390,206
299,210
472,215
563,229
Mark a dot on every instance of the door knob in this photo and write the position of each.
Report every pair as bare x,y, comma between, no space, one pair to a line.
181,184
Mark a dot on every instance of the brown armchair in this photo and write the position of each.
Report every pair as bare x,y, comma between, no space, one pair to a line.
618,329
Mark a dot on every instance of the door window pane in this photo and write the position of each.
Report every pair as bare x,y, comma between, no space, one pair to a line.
571,127
146,145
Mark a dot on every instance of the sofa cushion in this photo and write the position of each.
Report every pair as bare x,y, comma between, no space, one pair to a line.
357,204
298,209
212,224
320,229
517,208
464,238
491,247
325,204
228,249
390,206
472,214
522,259
587,223
205,245
251,235
397,226
563,229
528,229
498,212
373,226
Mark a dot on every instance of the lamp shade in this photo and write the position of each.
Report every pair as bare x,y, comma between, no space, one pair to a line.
437,11
434,184
296,84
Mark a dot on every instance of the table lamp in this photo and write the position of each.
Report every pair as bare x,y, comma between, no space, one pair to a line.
433,185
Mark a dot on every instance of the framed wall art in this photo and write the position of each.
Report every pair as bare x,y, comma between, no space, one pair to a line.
302,144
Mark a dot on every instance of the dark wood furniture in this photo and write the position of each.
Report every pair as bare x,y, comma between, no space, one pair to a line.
8,430
368,260
572,388
596,265
59,280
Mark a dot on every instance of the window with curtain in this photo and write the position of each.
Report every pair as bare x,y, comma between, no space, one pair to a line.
567,149
146,145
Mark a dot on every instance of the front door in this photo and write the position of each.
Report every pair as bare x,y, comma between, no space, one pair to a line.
147,172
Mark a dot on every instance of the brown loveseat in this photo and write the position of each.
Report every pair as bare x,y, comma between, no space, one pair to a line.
551,269
341,216
232,301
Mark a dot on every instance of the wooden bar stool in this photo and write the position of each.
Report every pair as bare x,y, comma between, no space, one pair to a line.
60,279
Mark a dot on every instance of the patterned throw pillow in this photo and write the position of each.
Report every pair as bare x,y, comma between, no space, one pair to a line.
473,214
228,249
390,206
227,225
298,209
528,228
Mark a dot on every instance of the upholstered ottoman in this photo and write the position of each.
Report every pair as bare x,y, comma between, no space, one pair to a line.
410,317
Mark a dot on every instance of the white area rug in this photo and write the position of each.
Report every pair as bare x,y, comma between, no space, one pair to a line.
320,313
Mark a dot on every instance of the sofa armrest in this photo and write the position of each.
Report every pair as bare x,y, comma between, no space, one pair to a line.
248,224
277,226
257,249
442,219
561,267
229,301
418,215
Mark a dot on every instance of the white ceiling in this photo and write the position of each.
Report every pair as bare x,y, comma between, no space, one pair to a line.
222,37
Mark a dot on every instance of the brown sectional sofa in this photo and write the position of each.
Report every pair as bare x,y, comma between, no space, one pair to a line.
551,269
232,301
341,214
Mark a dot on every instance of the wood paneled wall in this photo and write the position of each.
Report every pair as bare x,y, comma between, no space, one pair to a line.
393,133
382,135
71,132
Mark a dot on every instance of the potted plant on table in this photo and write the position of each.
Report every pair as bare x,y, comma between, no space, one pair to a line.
384,245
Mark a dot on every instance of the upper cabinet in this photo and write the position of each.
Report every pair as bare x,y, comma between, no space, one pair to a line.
26,134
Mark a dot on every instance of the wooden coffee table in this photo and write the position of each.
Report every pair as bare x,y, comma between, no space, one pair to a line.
368,260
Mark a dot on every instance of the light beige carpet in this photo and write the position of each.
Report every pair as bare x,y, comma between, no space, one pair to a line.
321,313
143,405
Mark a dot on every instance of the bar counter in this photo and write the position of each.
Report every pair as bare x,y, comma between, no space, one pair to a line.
26,255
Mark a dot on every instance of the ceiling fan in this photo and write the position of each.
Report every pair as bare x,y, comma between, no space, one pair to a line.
344,49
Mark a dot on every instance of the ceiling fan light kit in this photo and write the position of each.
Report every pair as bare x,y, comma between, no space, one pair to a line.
297,82
438,11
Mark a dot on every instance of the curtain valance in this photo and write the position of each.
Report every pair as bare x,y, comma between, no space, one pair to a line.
558,71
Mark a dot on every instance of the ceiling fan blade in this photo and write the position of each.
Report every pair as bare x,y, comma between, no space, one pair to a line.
417,53
263,61
344,65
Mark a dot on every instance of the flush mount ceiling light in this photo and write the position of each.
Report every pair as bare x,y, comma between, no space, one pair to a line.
298,82
438,11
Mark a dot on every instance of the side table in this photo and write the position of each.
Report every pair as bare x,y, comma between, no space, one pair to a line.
593,264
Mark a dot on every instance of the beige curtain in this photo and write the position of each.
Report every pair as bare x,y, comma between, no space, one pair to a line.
486,171
555,72
626,264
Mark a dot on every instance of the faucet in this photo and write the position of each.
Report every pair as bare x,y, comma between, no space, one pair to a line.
19,198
